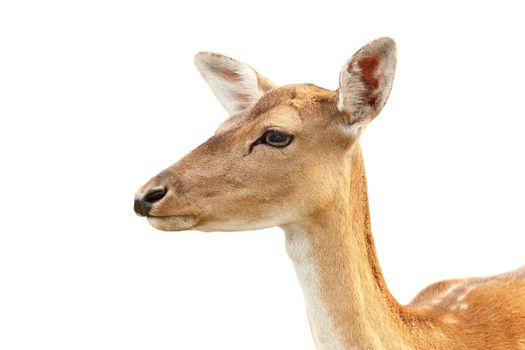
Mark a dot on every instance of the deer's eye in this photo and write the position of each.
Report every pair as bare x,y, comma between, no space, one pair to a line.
277,139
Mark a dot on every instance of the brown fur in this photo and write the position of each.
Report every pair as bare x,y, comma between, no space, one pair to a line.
315,189
228,74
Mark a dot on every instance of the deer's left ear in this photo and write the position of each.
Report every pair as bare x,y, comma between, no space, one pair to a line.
365,82
236,84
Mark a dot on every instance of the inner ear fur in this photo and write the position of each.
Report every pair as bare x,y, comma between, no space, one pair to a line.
366,80
236,84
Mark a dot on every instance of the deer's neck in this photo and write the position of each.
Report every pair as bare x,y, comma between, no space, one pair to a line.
348,303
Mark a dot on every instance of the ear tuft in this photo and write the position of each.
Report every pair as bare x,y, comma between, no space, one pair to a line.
366,80
236,84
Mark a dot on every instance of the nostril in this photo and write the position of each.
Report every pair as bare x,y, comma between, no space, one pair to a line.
155,194
143,204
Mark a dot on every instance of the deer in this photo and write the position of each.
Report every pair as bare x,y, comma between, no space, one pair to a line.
289,156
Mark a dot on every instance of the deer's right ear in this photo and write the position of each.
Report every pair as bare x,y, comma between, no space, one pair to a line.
365,83
236,84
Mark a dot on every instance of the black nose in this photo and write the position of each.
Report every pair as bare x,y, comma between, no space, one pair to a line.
144,203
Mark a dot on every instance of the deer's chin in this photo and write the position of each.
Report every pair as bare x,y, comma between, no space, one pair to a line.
172,223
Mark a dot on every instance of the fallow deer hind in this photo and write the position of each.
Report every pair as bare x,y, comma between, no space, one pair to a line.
289,156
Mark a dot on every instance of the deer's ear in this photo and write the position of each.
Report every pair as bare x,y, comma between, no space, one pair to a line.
365,82
236,84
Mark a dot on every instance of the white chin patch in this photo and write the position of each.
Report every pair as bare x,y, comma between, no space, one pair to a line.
172,223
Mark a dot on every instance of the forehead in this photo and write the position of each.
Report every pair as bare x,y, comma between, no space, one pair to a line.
287,104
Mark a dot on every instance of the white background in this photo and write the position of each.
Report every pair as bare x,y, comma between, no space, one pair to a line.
96,97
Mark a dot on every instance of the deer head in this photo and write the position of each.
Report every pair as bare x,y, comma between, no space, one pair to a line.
282,153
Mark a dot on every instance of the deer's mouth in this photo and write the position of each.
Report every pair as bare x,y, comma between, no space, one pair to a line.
173,222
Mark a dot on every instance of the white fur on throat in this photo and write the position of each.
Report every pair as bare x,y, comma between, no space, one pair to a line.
299,251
